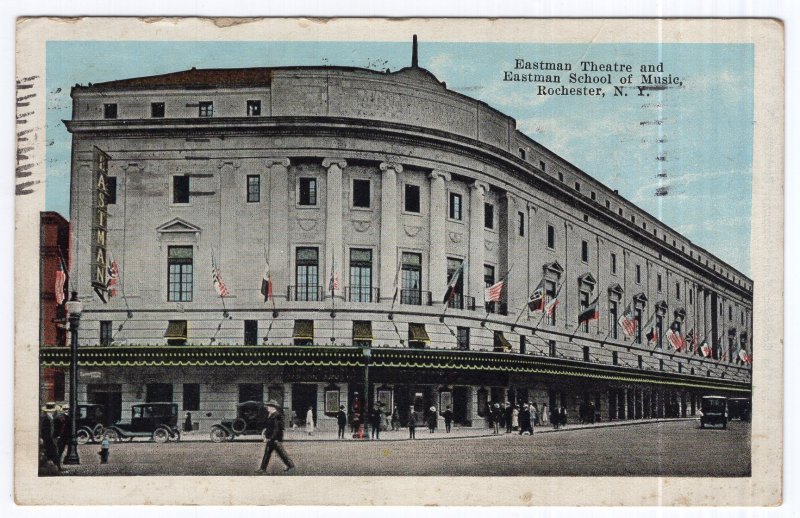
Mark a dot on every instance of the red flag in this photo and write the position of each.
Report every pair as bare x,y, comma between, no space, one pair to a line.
495,291
113,277
216,277
61,279
266,285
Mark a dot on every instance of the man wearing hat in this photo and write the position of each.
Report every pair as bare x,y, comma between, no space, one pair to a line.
274,436
47,434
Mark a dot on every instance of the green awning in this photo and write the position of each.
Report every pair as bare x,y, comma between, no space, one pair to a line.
176,330
362,330
417,333
500,342
303,330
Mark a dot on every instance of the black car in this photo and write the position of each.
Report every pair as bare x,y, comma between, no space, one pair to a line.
739,408
713,411
157,421
251,419
89,423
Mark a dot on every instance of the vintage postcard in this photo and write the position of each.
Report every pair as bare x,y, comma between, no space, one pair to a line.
512,262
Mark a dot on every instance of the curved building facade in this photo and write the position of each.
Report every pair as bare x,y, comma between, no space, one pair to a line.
359,195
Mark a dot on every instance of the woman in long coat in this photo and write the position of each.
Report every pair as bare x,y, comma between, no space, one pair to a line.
310,421
543,417
432,419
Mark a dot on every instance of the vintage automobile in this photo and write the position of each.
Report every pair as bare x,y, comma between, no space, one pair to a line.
157,421
739,408
251,419
713,411
89,423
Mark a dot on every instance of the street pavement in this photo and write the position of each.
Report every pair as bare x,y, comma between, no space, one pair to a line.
637,448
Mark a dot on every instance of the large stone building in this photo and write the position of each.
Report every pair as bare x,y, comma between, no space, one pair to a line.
391,181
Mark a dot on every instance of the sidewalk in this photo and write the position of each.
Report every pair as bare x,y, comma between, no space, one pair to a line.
422,433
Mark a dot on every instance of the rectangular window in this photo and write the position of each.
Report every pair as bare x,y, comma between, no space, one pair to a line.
180,273
551,236
691,298
523,342
455,206
411,278
641,361
560,176
633,219
522,153
158,393
552,348
613,263
177,332
659,331
638,274
615,358
206,109
586,353
251,332
253,188
417,336
638,320
462,338
361,193
742,319
488,215
658,282
620,211
730,313
307,274
106,332
584,251
488,281
411,201
110,111
660,364
111,190
593,195
362,333
157,110
191,396
180,189
613,317
457,297
578,186
254,108
308,192
542,165
361,275
584,301
608,204
303,333
521,223
678,290
680,367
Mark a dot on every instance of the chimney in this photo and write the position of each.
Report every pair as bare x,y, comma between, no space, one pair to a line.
414,61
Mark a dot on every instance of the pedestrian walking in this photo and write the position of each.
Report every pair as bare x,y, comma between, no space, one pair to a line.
412,424
563,417
496,415
507,414
448,419
47,435
525,427
274,436
432,419
535,416
515,418
555,417
187,423
310,421
341,420
62,429
544,415
592,413
395,419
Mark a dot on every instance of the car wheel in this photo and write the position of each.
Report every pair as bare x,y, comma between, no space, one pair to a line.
239,425
113,435
218,434
97,432
161,435
83,436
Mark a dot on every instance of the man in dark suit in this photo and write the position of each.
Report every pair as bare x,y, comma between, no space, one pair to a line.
341,420
274,434
448,419
509,413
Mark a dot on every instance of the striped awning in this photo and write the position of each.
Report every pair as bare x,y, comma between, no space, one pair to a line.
176,330
500,342
362,330
417,333
303,330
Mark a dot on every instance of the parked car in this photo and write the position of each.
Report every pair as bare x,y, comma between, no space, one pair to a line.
713,411
157,421
739,408
251,419
89,423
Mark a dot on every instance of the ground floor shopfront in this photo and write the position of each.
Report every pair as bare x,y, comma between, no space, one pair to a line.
209,382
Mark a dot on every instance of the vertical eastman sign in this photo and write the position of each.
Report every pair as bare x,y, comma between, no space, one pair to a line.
100,222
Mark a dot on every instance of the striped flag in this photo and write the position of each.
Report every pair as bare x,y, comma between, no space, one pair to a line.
536,300
706,349
494,292
266,285
216,277
113,277
590,312
675,339
652,335
691,340
61,279
333,283
628,322
451,286
551,306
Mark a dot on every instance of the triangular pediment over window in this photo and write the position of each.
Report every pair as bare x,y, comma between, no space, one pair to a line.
615,289
587,279
640,297
178,226
553,268
661,306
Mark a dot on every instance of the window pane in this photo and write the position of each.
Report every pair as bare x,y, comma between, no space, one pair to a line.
361,193
412,198
180,189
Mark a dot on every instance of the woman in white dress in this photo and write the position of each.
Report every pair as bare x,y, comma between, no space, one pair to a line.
515,418
544,418
310,421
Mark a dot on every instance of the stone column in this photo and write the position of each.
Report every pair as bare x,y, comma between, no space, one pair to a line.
625,396
287,405
334,245
279,252
475,263
437,256
699,318
709,329
388,253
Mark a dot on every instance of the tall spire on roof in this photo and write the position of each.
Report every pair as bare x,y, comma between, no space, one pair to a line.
414,61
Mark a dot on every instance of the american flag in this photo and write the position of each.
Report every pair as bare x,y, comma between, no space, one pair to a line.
495,291
551,306
628,322
745,357
706,350
333,283
675,339
266,285
652,335
61,279
216,277
113,277
691,340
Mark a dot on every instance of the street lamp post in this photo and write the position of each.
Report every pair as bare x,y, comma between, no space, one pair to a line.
367,352
74,308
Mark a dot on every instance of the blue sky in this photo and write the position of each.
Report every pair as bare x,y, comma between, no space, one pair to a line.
705,137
